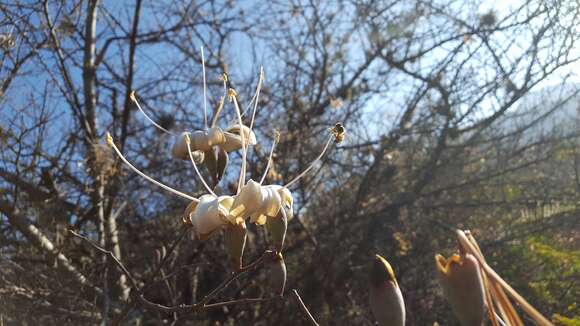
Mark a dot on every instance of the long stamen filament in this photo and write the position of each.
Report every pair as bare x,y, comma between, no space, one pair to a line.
204,88
276,140
188,142
311,164
177,192
242,179
257,96
258,88
254,100
222,102
134,99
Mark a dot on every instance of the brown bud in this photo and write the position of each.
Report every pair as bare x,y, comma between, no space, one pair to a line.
462,284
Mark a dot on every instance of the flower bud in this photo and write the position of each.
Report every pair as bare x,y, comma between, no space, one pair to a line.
210,162
222,163
277,226
235,242
462,284
385,297
276,274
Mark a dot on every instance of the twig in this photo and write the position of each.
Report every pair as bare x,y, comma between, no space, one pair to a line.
181,308
304,308
110,253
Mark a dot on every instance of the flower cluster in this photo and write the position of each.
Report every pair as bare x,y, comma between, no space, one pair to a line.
254,202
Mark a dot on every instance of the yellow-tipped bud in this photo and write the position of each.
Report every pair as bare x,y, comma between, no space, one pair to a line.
386,299
462,284
132,96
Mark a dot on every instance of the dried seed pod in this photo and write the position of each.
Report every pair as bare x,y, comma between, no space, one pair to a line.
235,242
385,297
462,284
276,274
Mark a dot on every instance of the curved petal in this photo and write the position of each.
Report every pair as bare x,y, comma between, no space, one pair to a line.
247,201
181,152
209,215
233,140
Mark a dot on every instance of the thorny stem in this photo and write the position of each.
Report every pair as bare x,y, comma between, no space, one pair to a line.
311,164
276,140
188,142
242,179
134,99
177,192
204,88
304,308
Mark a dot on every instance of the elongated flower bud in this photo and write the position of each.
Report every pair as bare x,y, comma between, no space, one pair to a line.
235,242
277,226
210,162
462,284
222,163
276,275
385,297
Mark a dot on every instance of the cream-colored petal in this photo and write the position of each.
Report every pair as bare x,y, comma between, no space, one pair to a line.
247,201
181,151
271,201
233,140
215,136
208,216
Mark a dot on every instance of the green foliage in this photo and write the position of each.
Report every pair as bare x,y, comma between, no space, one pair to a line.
550,270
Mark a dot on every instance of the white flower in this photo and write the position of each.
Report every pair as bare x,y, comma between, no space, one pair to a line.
201,141
208,215
258,202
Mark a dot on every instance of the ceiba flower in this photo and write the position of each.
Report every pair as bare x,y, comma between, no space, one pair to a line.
385,296
205,140
208,215
462,284
258,202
